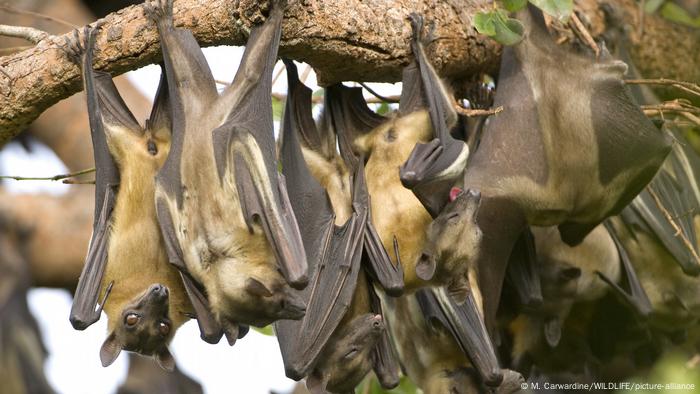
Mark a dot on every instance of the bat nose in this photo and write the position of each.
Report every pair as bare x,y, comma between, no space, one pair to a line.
159,290
377,322
474,194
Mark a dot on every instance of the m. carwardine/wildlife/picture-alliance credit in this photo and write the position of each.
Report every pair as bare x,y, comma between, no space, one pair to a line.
612,386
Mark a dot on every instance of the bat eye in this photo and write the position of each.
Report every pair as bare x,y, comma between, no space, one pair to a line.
164,328
351,354
152,148
131,319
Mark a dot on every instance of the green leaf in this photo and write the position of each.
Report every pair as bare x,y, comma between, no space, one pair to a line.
267,330
514,5
675,13
484,22
497,25
559,9
383,109
651,6
509,31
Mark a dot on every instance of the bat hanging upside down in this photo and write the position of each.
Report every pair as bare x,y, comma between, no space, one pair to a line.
142,293
221,203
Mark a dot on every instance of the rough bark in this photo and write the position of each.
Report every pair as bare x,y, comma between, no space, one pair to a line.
342,40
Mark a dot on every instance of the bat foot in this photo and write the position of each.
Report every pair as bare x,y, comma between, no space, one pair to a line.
77,46
159,11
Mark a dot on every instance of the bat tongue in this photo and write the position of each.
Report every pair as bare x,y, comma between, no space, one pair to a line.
454,193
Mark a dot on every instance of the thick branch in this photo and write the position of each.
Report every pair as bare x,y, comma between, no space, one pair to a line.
342,40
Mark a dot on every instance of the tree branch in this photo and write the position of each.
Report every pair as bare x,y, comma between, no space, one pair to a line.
28,33
349,40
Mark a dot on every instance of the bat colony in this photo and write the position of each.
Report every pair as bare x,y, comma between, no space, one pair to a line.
462,257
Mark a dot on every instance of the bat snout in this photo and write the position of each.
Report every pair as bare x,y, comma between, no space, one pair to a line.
377,322
294,307
159,291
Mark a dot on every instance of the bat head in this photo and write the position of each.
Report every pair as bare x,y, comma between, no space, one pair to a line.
145,328
393,141
453,241
345,360
141,147
267,300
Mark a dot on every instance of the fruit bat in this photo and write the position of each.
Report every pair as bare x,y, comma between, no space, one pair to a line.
430,353
399,215
557,154
223,208
142,294
346,113
434,167
356,341
338,296
568,275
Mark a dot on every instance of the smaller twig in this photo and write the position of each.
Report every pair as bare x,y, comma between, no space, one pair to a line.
687,87
477,111
691,117
28,33
676,228
379,96
673,106
76,182
220,82
13,10
50,178
578,26
11,50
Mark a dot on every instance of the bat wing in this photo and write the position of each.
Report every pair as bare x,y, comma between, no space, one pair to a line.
333,252
432,168
350,117
245,143
522,271
467,327
106,109
385,362
636,297
666,208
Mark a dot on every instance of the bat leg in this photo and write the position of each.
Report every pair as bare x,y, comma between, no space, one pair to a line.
522,271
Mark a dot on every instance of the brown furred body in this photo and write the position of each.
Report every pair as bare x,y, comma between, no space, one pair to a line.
396,211
136,256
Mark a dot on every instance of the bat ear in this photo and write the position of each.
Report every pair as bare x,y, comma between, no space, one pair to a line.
425,268
110,350
255,287
315,385
166,360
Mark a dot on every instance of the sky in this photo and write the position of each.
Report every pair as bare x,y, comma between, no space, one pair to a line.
252,366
